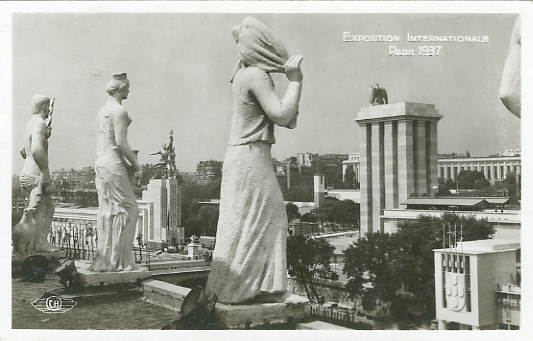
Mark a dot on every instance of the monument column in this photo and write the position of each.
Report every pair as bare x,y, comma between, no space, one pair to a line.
398,157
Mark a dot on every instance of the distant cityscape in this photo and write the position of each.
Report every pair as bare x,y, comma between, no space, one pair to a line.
300,169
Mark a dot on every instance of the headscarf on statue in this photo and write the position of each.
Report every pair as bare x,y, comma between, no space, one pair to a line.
257,46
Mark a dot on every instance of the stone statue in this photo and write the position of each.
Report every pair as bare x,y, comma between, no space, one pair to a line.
30,234
249,261
510,88
167,163
114,167
378,95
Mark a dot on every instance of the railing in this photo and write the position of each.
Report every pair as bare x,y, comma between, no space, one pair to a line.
78,238
143,256
348,319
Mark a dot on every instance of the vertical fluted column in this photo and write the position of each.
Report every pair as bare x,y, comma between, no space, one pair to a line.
391,164
378,175
432,158
365,159
419,134
152,222
406,185
164,209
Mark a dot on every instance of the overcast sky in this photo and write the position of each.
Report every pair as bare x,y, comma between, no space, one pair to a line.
179,66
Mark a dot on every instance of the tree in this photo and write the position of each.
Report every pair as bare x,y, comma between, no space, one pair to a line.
348,211
481,184
292,211
510,178
370,268
300,193
194,226
209,215
445,185
350,179
416,240
308,218
305,257
468,178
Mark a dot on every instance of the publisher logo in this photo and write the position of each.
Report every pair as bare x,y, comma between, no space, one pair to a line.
53,304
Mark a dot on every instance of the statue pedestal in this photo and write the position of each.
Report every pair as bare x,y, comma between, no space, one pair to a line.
50,255
251,315
193,250
88,278
233,316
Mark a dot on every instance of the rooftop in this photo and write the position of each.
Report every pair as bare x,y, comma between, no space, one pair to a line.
484,246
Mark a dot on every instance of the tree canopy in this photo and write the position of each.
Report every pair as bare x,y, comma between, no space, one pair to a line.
292,211
305,257
468,178
300,193
383,267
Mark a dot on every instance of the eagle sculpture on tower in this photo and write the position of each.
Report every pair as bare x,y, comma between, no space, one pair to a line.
378,95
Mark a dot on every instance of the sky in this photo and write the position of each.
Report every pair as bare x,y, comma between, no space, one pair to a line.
180,64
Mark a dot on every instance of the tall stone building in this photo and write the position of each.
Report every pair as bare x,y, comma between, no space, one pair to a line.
208,171
398,157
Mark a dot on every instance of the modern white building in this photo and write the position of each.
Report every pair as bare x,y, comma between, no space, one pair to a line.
495,168
477,285
507,223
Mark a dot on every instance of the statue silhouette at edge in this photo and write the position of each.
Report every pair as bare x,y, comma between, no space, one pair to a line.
510,87
378,95
31,232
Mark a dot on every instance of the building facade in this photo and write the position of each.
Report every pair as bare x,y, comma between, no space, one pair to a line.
208,171
398,157
477,285
494,167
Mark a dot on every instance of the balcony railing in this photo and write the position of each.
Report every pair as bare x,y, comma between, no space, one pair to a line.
79,239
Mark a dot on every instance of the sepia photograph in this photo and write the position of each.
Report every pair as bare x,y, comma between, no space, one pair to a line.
264,166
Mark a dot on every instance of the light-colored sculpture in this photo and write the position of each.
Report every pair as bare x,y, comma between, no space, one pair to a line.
510,88
30,234
115,167
249,261
378,95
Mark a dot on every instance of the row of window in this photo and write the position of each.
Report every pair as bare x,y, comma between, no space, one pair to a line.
492,171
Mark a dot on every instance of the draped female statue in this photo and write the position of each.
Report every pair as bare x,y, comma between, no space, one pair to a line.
249,260
115,167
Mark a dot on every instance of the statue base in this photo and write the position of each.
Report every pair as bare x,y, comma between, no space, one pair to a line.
247,316
88,278
50,255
